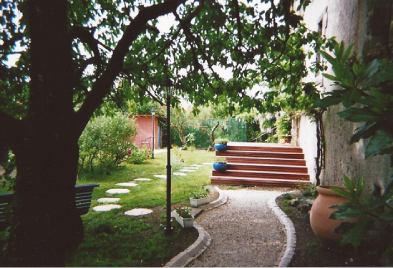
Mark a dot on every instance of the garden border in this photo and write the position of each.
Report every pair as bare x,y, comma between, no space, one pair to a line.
203,241
287,255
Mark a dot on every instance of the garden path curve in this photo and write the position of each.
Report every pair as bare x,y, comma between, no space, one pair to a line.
245,232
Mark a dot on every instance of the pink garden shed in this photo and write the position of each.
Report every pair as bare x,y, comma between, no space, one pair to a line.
144,137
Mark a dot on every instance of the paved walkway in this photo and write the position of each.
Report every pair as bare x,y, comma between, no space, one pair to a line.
245,232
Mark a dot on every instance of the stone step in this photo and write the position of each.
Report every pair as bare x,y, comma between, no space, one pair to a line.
266,161
261,174
259,148
259,167
222,180
259,154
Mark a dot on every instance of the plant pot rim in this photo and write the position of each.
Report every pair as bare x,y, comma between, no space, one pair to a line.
326,189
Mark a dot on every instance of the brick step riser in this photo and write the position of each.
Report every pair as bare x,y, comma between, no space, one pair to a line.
267,168
235,174
246,182
266,149
259,154
289,162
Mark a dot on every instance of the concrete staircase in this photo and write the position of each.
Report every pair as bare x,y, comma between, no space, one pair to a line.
262,164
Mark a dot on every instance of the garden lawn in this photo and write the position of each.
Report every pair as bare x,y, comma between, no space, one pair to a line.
113,239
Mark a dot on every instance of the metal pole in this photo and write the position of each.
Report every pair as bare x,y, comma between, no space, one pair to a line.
152,152
168,229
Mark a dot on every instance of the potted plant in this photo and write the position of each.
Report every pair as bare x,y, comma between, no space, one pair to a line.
183,216
221,144
200,197
322,225
220,164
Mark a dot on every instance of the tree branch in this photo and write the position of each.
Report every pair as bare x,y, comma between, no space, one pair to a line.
102,86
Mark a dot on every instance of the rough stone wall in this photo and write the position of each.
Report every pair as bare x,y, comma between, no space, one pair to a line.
367,25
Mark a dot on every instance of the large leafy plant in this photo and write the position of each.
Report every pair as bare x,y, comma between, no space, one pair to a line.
375,213
365,90
105,142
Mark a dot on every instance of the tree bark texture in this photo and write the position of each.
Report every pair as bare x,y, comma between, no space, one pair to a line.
45,224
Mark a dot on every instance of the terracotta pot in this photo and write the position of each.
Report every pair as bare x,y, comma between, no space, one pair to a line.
322,226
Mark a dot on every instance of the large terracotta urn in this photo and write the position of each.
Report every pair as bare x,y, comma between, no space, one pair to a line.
322,226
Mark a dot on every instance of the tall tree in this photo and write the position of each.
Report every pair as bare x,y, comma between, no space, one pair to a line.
73,55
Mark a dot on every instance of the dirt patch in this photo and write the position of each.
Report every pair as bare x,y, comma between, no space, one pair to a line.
312,252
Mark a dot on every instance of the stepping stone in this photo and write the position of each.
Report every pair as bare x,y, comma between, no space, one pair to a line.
142,179
106,208
187,170
195,168
108,200
117,191
138,212
160,176
127,184
179,174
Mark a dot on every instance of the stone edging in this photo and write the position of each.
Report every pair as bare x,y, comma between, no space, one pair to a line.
287,255
221,200
203,241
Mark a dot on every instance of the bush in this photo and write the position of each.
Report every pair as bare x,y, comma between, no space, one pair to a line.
139,155
283,125
105,142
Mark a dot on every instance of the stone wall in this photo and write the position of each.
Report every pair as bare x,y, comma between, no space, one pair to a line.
368,25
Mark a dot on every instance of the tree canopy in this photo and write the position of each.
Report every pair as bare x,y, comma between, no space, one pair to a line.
76,55
119,43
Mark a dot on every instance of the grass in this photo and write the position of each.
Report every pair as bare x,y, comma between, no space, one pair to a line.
113,239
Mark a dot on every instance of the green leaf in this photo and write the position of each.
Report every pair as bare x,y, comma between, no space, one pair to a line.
349,184
359,187
349,213
368,101
359,115
385,74
329,58
347,53
327,101
331,77
378,142
383,99
364,132
371,68
339,50
355,235
341,192
355,69
350,97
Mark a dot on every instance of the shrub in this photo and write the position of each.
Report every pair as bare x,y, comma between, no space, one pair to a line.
104,143
139,155
221,141
287,196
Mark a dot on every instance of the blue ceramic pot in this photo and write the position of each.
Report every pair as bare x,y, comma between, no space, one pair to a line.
220,166
220,147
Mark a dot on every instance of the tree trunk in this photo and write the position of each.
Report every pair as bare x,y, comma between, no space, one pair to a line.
45,224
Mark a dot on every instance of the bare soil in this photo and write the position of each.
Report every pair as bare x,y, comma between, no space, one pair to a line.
312,252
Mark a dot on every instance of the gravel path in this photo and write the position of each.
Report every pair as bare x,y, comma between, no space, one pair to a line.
245,232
